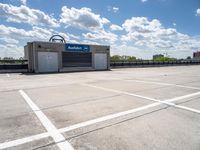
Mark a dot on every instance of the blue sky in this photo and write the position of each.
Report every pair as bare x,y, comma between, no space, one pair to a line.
138,27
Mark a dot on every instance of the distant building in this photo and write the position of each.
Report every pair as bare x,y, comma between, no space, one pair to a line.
157,56
196,55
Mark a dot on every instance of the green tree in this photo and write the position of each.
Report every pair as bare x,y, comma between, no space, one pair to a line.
131,58
124,58
115,58
8,58
163,58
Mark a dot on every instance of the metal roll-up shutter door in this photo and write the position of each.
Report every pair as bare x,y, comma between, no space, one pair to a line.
77,59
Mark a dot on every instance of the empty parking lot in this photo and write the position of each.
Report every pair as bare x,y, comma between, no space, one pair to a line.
122,109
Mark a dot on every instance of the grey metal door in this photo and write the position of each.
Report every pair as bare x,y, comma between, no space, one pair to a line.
100,61
47,62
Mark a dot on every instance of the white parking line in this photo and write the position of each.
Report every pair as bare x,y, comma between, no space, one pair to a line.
23,140
158,83
153,82
167,102
124,113
183,97
140,96
7,75
73,127
120,92
108,117
188,109
102,119
52,130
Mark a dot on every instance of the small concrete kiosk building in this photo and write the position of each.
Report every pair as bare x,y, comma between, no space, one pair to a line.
55,56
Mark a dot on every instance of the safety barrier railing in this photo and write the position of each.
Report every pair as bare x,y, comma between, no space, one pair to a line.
13,64
151,63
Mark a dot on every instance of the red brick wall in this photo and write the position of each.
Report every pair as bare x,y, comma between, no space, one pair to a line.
196,54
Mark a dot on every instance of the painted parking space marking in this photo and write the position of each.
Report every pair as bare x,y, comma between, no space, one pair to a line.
188,109
140,96
73,127
23,140
153,82
166,84
101,119
167,102
52,130
108,117
183,97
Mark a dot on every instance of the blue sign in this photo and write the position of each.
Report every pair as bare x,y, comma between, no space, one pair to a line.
77,48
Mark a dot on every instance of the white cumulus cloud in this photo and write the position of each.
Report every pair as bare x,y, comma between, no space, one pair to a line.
141,24
23,2
13,39
82,18
198,12
174,24
151,34
24,14
144,1
11,50
35,33
101,37
13,35
8,40
115,27
115,9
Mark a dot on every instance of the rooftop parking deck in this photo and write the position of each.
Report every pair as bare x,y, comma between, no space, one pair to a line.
130,108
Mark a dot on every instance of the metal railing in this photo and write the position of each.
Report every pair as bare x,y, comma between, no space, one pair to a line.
154,63
22,64
13,64
18,61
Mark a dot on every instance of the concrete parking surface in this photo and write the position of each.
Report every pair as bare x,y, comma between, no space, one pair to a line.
122,109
